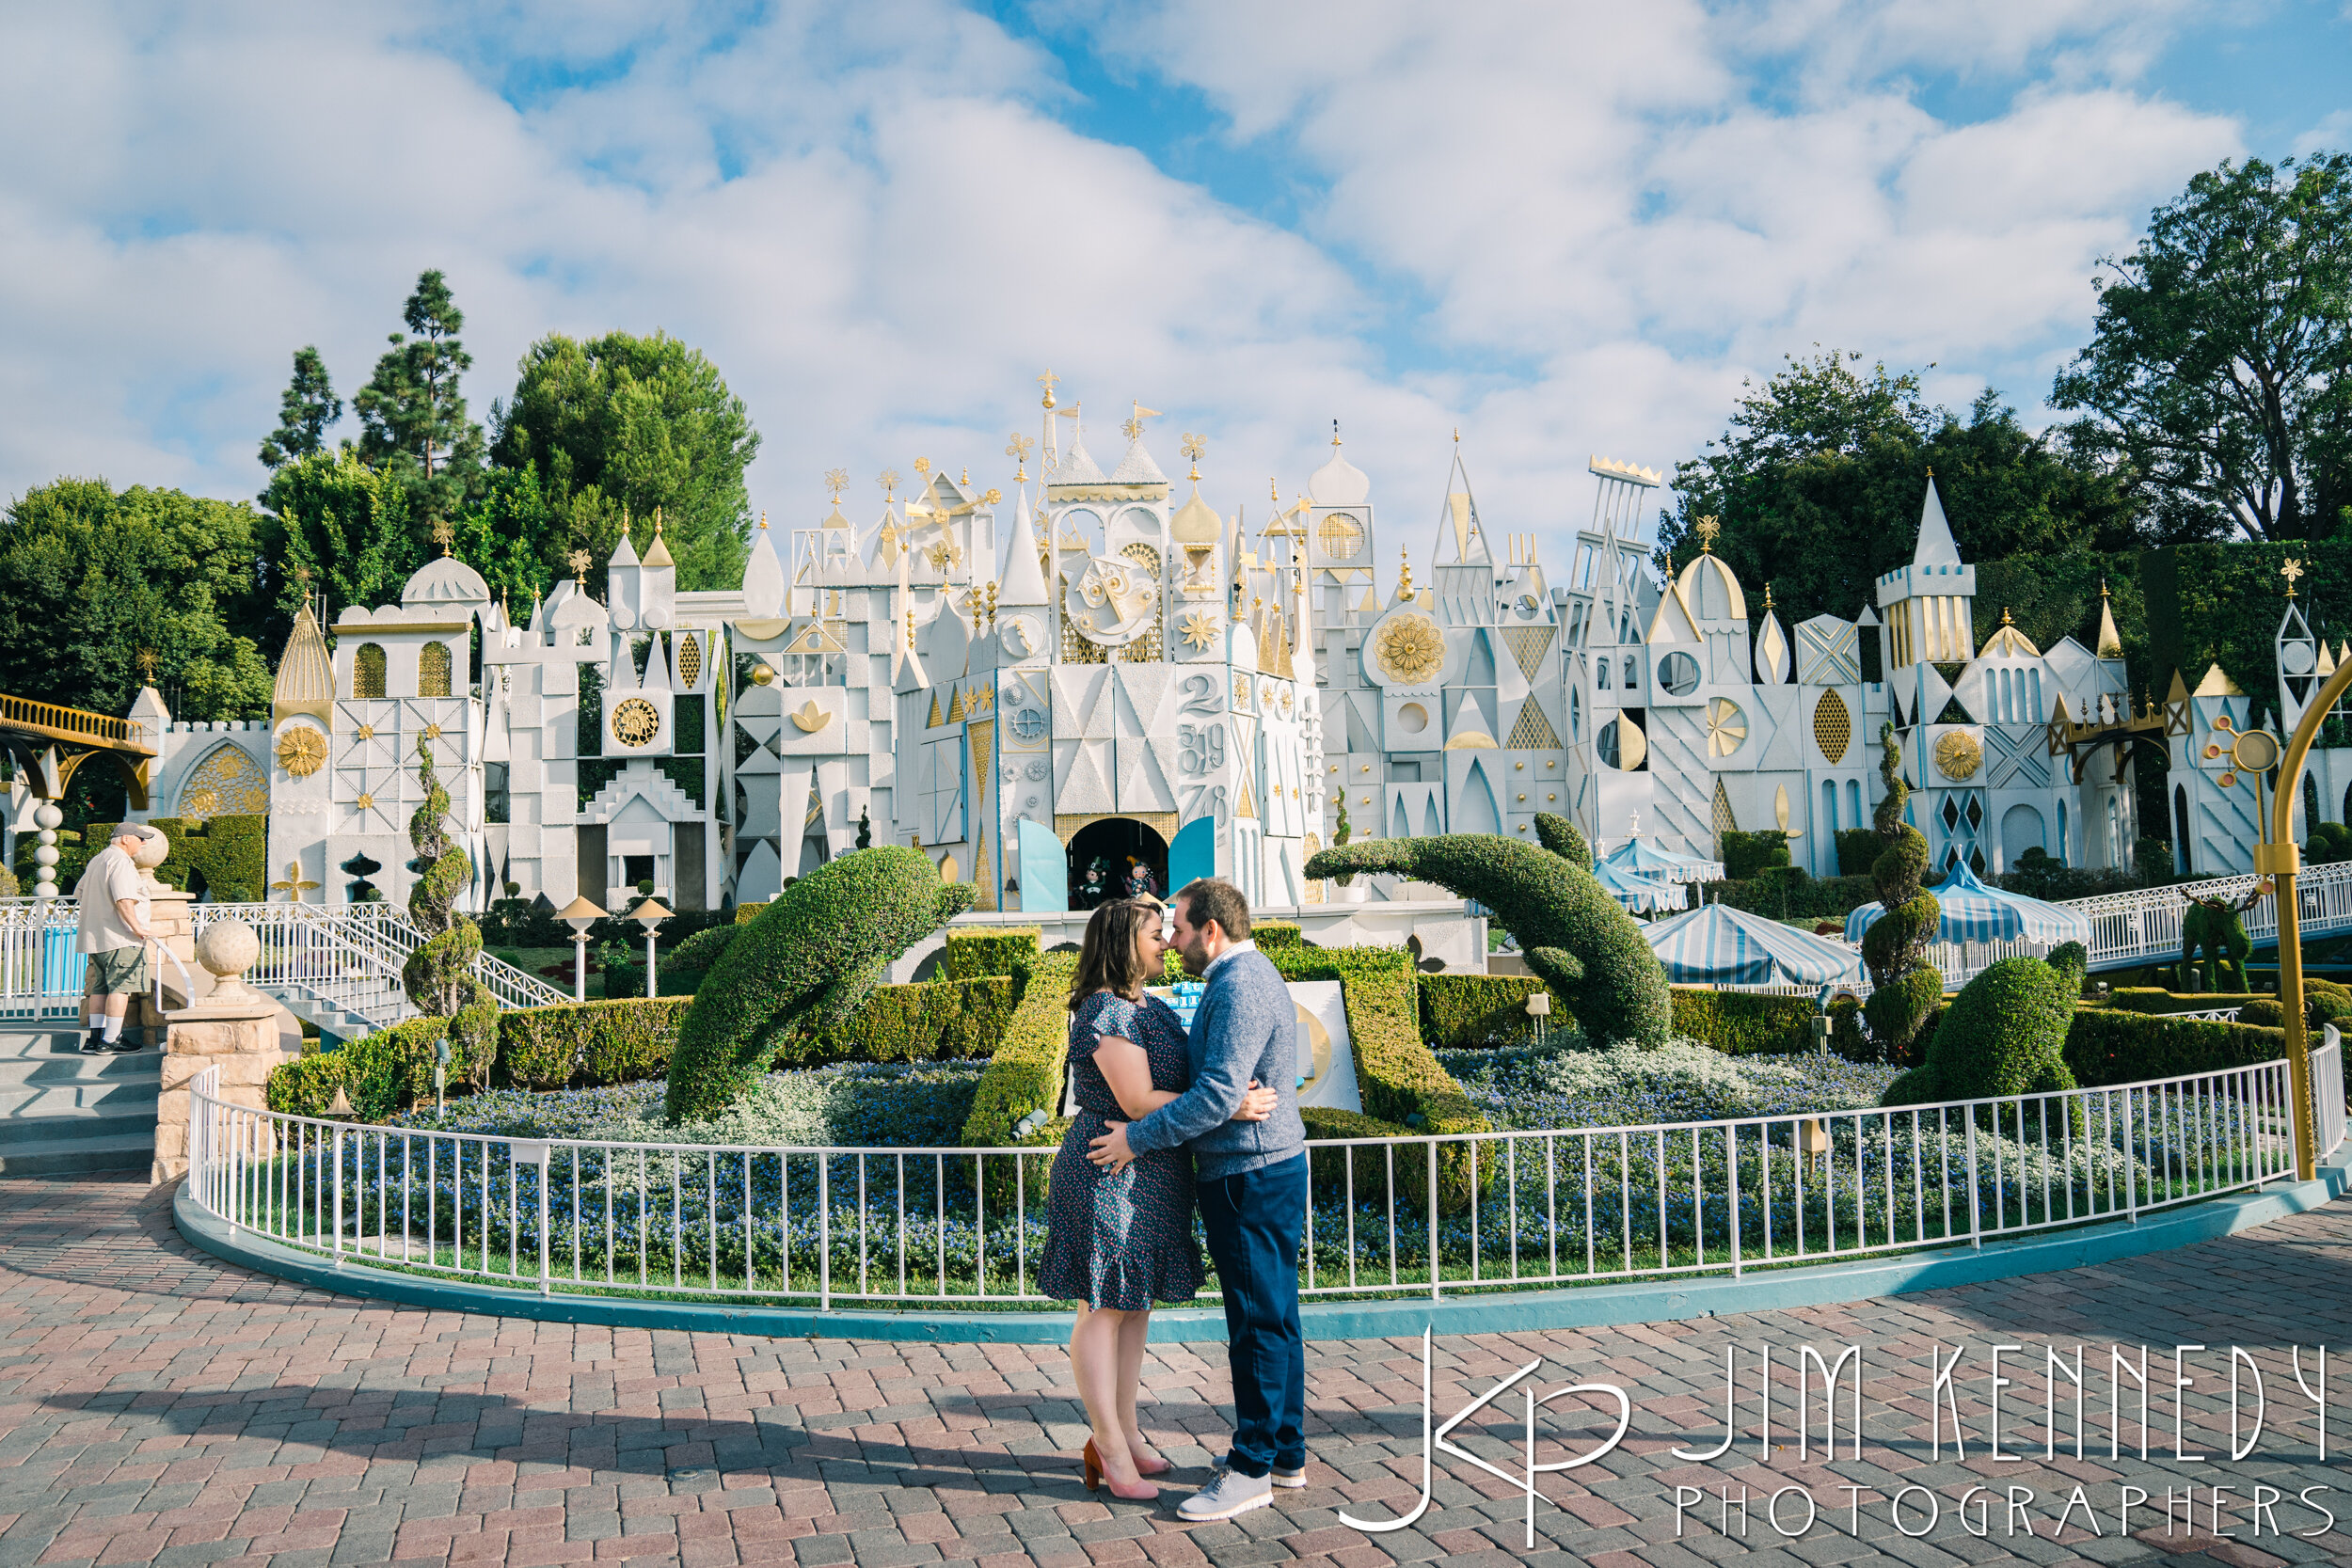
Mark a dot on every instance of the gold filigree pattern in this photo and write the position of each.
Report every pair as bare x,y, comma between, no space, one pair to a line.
1958,756
226,784
1411,650
1833,727
636,722
301,751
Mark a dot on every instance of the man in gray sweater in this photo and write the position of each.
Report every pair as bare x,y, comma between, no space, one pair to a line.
1252,1177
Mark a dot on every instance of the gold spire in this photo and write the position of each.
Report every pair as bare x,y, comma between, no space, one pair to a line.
1768,598
2292,570
147,666
2005,619
1707,528
763,520
1047,381
1335,433
443,534
836,481
1195,449
1018,450
579,567
889,479
1405,560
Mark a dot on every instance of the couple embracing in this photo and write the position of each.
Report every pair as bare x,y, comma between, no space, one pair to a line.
1167,1121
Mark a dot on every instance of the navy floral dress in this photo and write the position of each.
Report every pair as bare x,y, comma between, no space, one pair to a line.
1120,1239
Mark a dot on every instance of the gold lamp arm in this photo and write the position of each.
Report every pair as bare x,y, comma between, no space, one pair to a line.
2279,858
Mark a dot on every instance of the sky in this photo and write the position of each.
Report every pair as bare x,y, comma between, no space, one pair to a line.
1559,229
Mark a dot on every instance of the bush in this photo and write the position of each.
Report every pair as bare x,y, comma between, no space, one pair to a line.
385,1073
2329,842
225,858
2104,1046
305,1087
804,967
1481,1010
1749,855
1271,935
2004,1034
2154,999
1743,1023
1397,1078
1026,1073
1856,849
977,954
590,1042
1787,897
937,1021
1572,933
1327,1167
524,922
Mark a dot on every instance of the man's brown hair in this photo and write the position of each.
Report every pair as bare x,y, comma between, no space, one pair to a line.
1206,898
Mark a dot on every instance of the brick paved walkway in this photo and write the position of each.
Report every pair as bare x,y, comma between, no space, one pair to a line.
158,1406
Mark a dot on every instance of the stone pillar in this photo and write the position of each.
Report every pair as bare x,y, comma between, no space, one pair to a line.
234,1028
168,912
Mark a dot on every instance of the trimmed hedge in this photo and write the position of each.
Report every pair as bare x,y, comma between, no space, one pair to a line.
1397,1076
2155,999
226,858
1026,1073
1459,1010
1571,932
804,967
1274,935
2004,1034
589,1042
1742,1024
982,954
1329,1167
2104,1046
1791,895
938,1021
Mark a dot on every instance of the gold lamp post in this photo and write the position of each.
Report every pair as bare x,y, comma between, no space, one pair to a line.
2278,858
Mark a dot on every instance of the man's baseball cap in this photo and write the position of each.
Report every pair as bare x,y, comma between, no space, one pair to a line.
139,830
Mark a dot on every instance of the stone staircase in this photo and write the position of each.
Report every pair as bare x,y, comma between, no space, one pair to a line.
62,1113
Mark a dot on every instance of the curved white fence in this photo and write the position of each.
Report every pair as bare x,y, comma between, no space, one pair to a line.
1425,1215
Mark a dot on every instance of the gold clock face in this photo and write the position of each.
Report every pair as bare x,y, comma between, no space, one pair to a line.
1957,756
635,722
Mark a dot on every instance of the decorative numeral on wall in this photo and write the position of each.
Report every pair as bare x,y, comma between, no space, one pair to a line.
1200,748
1201,695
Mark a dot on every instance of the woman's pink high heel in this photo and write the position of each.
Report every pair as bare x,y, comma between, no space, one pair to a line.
1158,1467
1096,1477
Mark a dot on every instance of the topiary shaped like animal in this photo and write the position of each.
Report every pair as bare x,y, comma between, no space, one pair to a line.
2005,1034
1559,835
802,967
2214,925
1571,931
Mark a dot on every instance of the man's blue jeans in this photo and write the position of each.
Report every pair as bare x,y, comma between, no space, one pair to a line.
1254,1222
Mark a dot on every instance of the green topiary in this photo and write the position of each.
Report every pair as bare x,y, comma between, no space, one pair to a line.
1857,848
1482,1010
2213,925
1571,932
804,967
1559,835
439,973
1742,1024
977,955
1750,855
2073,959
1025,1075
2005,1034
1905,990
2329,842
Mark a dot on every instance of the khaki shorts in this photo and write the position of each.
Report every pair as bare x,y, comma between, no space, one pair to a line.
118,972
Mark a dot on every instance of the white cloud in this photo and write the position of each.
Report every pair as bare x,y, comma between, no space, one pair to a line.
872,218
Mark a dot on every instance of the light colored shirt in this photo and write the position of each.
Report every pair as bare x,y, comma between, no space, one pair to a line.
110,876
1245,946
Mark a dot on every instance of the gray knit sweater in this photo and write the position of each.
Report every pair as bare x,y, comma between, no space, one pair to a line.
1247,1027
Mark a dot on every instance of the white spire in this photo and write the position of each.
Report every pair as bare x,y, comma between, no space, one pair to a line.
1023,582
763,576
1935,536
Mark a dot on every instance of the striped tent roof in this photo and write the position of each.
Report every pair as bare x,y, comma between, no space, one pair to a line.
1641,858
1974,912
1718,945
1639,893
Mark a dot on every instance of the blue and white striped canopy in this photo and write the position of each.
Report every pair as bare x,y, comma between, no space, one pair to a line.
1637,856
1641,895
1716,945
1974,913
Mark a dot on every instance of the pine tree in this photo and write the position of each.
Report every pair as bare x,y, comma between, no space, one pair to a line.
412,414
305,410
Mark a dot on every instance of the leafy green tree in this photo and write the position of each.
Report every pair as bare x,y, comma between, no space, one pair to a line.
91,578
1817,484
342,526
412,414
619,425
2216,368
306,407
502,533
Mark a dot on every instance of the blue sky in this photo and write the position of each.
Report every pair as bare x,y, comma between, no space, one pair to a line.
1561,229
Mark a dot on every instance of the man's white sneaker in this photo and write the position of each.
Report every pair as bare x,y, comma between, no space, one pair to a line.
1290,1480
1229,1493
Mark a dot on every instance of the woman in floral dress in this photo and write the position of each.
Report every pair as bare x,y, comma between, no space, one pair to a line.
1119,1240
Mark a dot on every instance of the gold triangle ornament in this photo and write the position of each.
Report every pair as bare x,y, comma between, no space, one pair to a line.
937,720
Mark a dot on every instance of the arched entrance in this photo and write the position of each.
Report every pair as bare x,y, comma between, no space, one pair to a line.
1107,844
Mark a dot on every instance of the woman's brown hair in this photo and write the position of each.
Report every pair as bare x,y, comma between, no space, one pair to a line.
1106,959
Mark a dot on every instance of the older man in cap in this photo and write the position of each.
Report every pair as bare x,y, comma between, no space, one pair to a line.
114,937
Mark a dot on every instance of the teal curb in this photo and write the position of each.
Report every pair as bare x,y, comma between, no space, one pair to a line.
1589,1306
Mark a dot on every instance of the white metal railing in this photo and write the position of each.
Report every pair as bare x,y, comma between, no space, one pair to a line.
349,957
1411,1216
2144,925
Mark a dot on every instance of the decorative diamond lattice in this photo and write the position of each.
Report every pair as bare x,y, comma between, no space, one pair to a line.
1833,727
1532,731
226,784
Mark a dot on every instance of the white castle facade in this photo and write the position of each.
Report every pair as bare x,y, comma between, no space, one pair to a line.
1114,673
